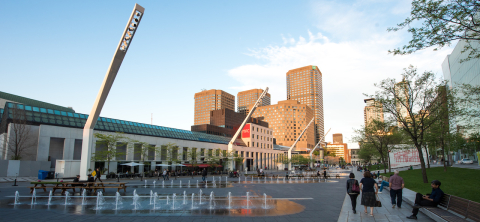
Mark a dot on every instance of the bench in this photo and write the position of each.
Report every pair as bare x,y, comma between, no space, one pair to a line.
101,186
452,209
44,185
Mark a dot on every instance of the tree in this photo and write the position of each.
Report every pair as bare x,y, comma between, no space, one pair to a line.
366,153
316,153
107,147
233,155
379,135
442,21
171,150
193,155
409,103
145,151
214,158
20,140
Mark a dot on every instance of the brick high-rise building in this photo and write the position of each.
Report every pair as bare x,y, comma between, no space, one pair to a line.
305,85
371,111
337,138
247,98
287,119
339,148
209,100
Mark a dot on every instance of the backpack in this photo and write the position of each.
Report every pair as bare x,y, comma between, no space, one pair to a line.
355,187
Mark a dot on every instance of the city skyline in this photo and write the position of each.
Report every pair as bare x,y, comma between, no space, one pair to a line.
228,53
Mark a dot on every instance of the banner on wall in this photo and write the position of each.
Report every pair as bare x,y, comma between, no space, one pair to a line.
246,131
404,157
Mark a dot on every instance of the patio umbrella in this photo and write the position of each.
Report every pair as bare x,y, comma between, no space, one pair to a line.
165,165
132,164
178,164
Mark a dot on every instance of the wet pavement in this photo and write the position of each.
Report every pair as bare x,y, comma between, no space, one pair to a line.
295,200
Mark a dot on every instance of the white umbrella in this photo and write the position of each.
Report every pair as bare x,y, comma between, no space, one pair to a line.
132,164
178,164
165,165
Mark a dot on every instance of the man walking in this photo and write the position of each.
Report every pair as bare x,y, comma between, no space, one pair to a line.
431,200
396,189
204,174
164,174
97,175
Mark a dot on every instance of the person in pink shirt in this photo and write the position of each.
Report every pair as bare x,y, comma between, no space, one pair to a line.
396,187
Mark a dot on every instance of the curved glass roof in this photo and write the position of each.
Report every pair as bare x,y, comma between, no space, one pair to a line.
69,119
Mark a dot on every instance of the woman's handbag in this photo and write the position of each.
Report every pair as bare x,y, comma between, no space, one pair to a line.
378,202
355,187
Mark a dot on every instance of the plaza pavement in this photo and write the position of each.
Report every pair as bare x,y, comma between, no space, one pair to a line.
325,205
384,213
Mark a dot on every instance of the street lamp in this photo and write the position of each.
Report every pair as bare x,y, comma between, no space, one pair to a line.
120,52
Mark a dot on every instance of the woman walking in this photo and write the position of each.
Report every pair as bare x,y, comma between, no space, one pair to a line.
353,191
369,191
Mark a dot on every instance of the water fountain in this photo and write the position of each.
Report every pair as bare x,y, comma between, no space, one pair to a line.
197,183
34,197
168,198
206,183
184,197
151,196
100,200
265,197
135,201
174,197
66,197
49,198
239,179
145,183
229,200
277,179
200,195
154,184
17,201
118,200
193,196
84,197
180,184
188,183
155,197
163,184
283,179
211,200
248,199
171,184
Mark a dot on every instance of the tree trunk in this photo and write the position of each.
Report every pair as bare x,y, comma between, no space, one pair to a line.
422,162
428,158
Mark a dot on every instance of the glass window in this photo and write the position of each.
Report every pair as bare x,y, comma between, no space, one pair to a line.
64,113
43,110
56,112
70,114
28,108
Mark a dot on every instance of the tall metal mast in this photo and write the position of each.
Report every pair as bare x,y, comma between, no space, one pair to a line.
319,142
230,144
290,150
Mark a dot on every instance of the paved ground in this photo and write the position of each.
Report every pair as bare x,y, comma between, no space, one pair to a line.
325,206
384,213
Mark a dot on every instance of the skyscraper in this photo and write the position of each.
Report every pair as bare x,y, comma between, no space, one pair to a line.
288,119
247,98
208,100
305,86
372,111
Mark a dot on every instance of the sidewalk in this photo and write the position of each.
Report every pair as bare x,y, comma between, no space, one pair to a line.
384,213
19,179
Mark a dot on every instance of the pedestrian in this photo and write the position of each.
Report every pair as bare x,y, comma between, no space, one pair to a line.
352,186
204,174
157,174
97,175
324,173
164,174
369,192
396,189
384,183
168,174
431,200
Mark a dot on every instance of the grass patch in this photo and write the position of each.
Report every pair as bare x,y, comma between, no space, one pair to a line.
459,182
375,167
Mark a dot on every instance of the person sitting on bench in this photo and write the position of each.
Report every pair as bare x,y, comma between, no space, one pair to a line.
431,200
384,183
77,180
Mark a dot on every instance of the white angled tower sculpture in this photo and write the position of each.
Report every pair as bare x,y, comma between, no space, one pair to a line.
230,144
112,71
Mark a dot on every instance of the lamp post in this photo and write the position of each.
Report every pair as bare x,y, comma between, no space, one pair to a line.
120,52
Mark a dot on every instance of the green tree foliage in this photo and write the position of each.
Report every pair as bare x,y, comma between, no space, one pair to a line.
439,22
109,142
367,153
409,103
193,156
379,135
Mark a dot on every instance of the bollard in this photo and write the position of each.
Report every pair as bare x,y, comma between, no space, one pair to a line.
15,184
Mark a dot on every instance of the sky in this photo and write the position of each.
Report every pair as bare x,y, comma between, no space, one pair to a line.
59,52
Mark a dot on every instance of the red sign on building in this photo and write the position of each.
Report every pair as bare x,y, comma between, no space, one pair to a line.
246,131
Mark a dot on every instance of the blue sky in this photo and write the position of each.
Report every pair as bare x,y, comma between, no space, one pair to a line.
59,52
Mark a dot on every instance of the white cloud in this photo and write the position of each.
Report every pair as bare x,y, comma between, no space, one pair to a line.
350,67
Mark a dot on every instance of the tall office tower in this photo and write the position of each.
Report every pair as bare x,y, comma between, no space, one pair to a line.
305,85
248,98
208,100
403,101
337,138
287,119
372,111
